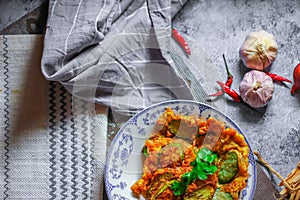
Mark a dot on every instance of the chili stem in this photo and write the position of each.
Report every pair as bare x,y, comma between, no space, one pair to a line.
228,81
227,69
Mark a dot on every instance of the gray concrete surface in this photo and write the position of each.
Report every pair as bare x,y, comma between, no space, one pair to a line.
220,26
13,10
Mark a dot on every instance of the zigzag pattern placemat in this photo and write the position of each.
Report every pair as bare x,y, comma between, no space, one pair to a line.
52,145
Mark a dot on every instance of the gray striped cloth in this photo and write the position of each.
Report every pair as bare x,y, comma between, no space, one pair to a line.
114,52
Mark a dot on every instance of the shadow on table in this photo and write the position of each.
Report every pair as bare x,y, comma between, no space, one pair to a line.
30,113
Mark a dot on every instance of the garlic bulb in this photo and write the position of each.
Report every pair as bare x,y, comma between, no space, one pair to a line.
256,88
259,50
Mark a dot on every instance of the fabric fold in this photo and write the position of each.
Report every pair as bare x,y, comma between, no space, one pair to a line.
113,52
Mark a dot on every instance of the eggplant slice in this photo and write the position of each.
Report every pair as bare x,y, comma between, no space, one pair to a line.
203,193
159,185
229,168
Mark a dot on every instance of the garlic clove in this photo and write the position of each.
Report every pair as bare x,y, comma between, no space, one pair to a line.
256,88
259,50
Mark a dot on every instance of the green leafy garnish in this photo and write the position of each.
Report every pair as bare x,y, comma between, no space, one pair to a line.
202,166
145,151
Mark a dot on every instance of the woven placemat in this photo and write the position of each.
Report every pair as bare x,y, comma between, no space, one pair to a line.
53,145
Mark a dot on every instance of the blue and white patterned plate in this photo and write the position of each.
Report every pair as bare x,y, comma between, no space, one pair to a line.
124,160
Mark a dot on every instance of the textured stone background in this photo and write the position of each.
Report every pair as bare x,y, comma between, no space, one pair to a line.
220,26
15,9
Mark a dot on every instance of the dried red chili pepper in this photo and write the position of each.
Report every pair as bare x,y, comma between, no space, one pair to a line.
278,78
220,92
232,93
228,82
296,76
181,41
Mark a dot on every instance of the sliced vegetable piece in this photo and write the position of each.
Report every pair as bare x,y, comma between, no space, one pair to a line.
174,126
180,129
205,193
163,188
170,154
219,195
229,167
158,185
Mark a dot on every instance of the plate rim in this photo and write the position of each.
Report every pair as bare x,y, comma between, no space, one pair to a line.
109,152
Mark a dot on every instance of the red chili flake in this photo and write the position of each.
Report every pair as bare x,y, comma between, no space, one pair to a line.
181,41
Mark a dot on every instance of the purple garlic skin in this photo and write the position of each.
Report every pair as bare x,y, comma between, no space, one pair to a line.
259,50
256,88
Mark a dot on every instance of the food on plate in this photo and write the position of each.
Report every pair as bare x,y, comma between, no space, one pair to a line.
256,88
189,157
259,50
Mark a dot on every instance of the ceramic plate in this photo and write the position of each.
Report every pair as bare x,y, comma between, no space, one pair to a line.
124,160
